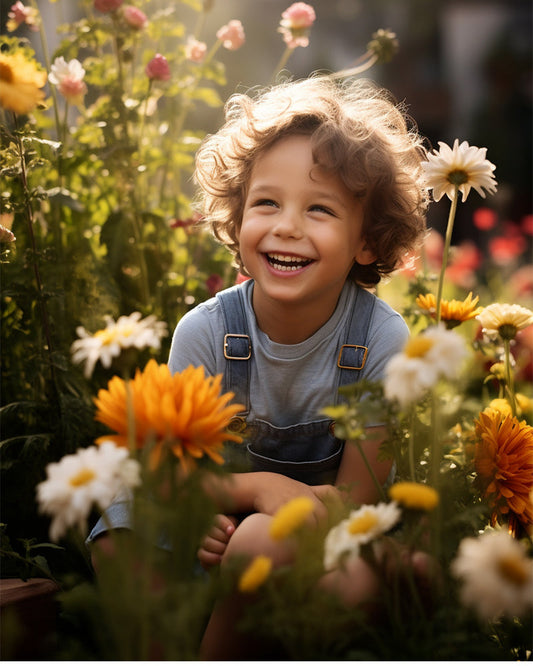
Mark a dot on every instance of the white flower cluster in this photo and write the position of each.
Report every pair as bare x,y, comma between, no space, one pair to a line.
79,482
436,353
343,541
108,343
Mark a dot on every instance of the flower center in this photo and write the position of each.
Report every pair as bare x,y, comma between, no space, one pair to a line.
513,569
6,73
418,347
508,331
458,177
362,524
83,477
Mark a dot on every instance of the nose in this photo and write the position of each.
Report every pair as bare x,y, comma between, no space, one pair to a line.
288,224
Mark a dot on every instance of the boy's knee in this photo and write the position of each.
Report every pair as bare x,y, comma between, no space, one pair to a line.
252,538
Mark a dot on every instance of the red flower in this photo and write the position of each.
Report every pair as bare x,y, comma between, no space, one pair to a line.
157,69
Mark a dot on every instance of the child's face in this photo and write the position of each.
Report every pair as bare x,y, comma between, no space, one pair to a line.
301,227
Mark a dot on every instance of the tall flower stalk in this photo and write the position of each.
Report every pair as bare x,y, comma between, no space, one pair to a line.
450,171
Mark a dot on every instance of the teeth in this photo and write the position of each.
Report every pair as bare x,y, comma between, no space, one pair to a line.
287,262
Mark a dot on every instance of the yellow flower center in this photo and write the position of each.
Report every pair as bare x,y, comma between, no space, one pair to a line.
458,177
513,569
6,73
362,524
108,335
418,347
83,477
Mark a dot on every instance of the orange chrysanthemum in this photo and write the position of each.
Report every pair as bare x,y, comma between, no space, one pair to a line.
183,414
504,465
452,312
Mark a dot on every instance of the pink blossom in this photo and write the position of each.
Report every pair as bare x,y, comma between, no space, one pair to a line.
527,225
106,6
295,24
231,35
484,219
194,50
20,14
68,77
466,258
214,284
158,69
134,17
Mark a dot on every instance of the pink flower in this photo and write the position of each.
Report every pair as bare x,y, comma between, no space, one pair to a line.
505,249
6,235
466,259
214,284
432,256
527,225
295,24
231,35
194,50
20,14
241,278
134,17
484,219
158,69
68,77
106,6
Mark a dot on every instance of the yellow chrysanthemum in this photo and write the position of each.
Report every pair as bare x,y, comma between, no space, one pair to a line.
461,167
452,312
505,319
414,495
290,517
504,465
255,574
523,405
20,83
181,414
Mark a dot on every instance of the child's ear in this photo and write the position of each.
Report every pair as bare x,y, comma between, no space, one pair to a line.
364,255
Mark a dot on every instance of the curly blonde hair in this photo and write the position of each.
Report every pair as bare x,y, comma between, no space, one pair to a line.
358,131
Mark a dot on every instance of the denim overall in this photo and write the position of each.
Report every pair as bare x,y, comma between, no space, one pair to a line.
308,452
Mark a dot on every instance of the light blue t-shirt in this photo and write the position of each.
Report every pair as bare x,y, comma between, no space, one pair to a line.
288,383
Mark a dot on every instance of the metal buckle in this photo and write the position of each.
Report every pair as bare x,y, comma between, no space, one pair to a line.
237,358
352,367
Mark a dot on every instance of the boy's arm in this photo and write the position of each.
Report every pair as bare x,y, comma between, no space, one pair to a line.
353,471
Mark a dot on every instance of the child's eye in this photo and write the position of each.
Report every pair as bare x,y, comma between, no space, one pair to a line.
322,209
265,202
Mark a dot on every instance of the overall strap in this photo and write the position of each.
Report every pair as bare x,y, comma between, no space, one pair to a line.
353,353
237,346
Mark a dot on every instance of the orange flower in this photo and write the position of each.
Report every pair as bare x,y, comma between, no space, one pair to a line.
453,312
182,413
504,465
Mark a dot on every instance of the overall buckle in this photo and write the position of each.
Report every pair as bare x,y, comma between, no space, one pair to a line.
350,358
241,348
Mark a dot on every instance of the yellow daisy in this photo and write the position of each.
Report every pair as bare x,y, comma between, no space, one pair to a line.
182,414
290,517
20,83
414,495
255,574
452,312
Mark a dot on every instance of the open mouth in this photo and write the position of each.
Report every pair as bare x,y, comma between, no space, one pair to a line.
287,262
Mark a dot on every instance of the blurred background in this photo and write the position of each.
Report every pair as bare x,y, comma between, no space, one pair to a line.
463,68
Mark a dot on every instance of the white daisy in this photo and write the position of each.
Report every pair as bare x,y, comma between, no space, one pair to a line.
91,477
361,526
463,166
109,342
433,354
496,574
504,319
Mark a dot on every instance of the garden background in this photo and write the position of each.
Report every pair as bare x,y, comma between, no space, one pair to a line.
97,216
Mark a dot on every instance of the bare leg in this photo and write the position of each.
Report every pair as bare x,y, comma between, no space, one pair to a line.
222,640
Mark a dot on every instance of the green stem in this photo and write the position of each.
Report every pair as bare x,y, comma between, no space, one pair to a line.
509,382
446,251
378,485
282,62
36,271
411,448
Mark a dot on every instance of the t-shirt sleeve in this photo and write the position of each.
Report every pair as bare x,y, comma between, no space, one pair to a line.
193,342
388,337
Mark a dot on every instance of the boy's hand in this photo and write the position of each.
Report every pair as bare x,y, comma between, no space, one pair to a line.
215,541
